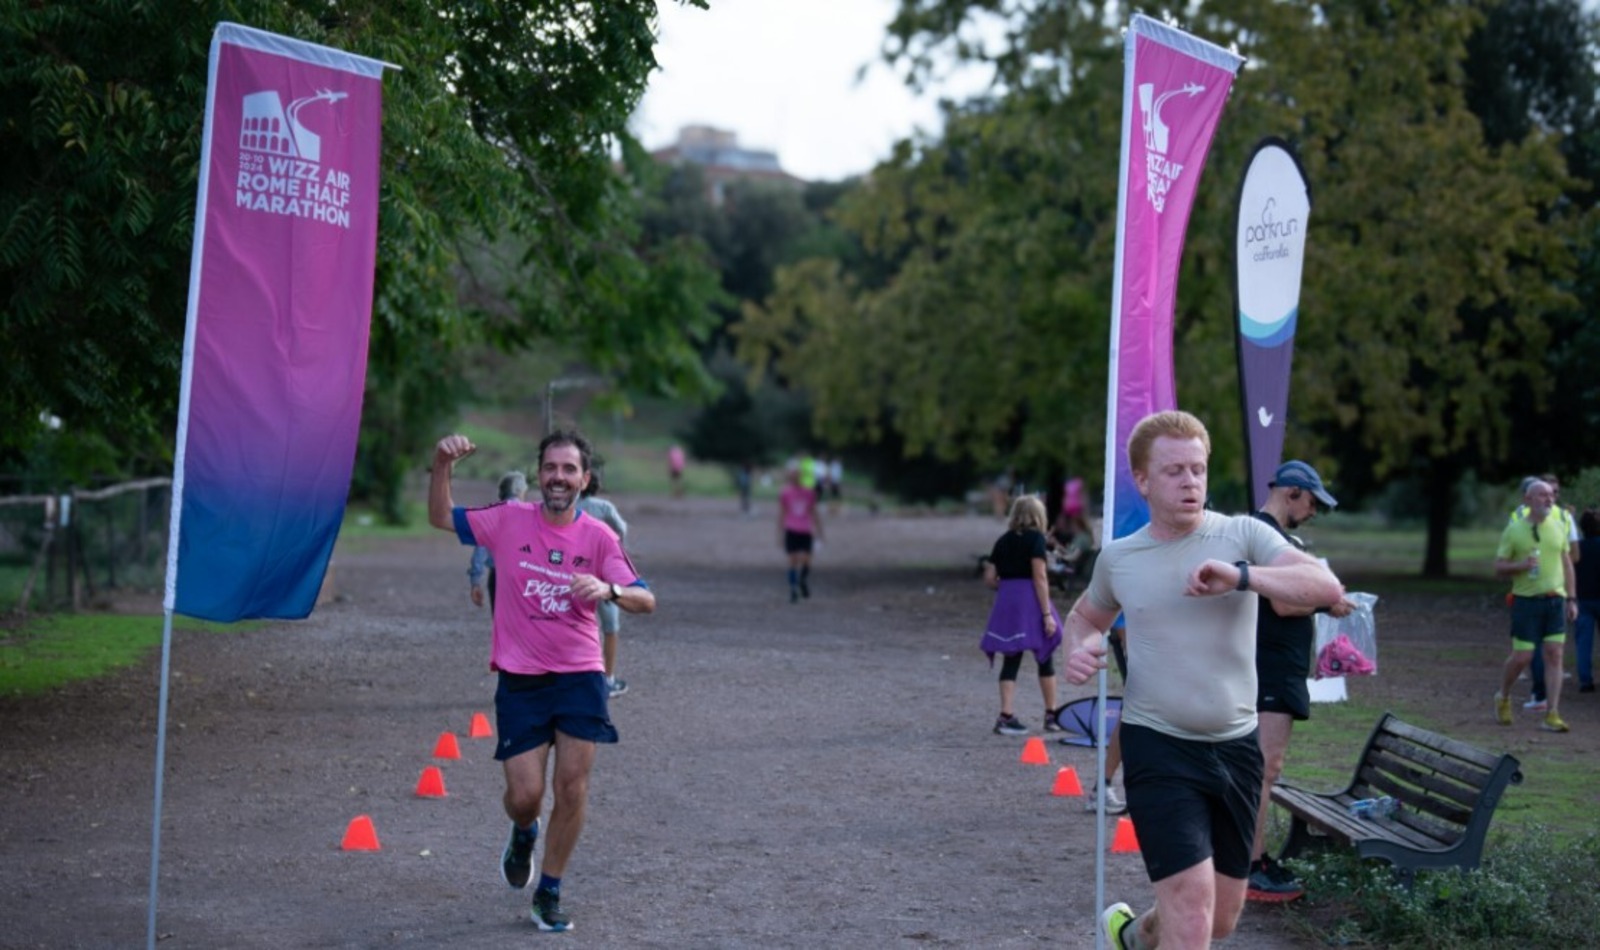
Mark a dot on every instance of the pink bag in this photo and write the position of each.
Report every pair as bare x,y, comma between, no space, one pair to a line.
1341,658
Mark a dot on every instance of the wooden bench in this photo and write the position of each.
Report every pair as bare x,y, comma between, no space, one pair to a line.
1447,791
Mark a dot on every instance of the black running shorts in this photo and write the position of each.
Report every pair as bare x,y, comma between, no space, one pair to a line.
1192,800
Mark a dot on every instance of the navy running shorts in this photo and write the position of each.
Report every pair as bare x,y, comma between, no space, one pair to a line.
530,709
1537,619
1192,800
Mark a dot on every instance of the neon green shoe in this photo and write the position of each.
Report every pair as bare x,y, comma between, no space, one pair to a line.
1115,919
1502,709
1554,723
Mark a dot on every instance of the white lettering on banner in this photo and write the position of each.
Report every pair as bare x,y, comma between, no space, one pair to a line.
280,170
1160,172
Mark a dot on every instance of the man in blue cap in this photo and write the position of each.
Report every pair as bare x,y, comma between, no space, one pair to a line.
1285,638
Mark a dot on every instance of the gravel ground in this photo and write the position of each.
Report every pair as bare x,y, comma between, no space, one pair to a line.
787,776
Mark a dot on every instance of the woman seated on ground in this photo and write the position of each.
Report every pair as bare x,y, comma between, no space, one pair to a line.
1071,542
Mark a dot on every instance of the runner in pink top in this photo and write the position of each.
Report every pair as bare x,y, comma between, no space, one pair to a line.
553,565
798,524
539,627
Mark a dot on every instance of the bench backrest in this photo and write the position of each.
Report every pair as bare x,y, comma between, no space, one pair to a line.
1447,788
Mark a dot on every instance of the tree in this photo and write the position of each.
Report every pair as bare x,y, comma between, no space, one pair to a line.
498,132
1436,257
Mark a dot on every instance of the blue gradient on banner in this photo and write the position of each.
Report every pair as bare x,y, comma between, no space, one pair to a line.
1268,335
264,556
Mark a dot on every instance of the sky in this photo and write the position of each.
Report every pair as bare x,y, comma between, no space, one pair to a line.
782,74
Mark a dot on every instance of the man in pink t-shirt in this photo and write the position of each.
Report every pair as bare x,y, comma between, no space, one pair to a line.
798,525
553,565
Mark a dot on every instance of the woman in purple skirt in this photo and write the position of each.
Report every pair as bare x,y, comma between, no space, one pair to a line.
1023,619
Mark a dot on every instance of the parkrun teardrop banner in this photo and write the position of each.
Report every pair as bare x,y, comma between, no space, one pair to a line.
1174,88
1269,256
280,302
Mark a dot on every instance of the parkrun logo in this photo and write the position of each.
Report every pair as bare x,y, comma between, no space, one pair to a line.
280,162
1269,230
1161,173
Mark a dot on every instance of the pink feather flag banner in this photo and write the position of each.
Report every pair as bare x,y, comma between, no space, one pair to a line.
1175,86
280,304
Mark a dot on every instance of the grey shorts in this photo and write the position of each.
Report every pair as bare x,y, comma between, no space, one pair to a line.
610,617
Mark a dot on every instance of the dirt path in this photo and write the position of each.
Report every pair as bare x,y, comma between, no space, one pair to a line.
788,775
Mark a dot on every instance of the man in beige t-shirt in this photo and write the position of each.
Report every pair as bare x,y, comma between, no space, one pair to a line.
1187,586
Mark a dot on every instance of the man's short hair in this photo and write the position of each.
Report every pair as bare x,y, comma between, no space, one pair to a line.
1173,424
513,485
570,437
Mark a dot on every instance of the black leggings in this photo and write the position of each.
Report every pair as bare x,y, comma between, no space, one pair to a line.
1013,664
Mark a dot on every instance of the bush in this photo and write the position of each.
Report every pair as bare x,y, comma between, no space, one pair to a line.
1532,890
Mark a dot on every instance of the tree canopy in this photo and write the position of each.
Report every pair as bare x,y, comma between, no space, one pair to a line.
1439,258
504,215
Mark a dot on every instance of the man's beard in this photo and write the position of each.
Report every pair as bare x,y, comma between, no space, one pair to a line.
560,504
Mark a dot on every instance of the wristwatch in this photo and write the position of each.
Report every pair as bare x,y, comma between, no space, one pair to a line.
616,593
1244,575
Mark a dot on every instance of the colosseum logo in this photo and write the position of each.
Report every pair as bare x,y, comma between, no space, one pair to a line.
280,161
1161,172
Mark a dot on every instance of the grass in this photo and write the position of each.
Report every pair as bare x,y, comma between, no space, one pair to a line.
1558,794
45,652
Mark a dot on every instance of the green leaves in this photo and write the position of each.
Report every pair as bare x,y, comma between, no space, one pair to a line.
1438,256
497,153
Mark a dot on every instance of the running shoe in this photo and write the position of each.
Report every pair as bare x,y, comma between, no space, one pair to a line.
516,863
1009,726
1502,709
546,912
1114,803
1272,883
1050,723
1534,704
1115,920
616,686
1554,723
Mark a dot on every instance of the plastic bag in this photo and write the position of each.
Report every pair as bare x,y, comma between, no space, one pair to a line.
1348,646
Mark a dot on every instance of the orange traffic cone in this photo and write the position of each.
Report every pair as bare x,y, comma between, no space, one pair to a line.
1033,752
1125,841
446,747
1066,782
360,836
480,727
431,784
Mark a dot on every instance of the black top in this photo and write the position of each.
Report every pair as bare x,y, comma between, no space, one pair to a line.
1587,570
1283,644
1014,553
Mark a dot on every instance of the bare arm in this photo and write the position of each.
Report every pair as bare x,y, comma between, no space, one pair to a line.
451,449
1294,578
1041,590
1504,567
635,600
1084,639
1569,575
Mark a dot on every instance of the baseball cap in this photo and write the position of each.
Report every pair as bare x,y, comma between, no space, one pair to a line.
1297,474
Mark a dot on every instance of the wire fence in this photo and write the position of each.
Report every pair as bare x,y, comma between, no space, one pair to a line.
62,552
